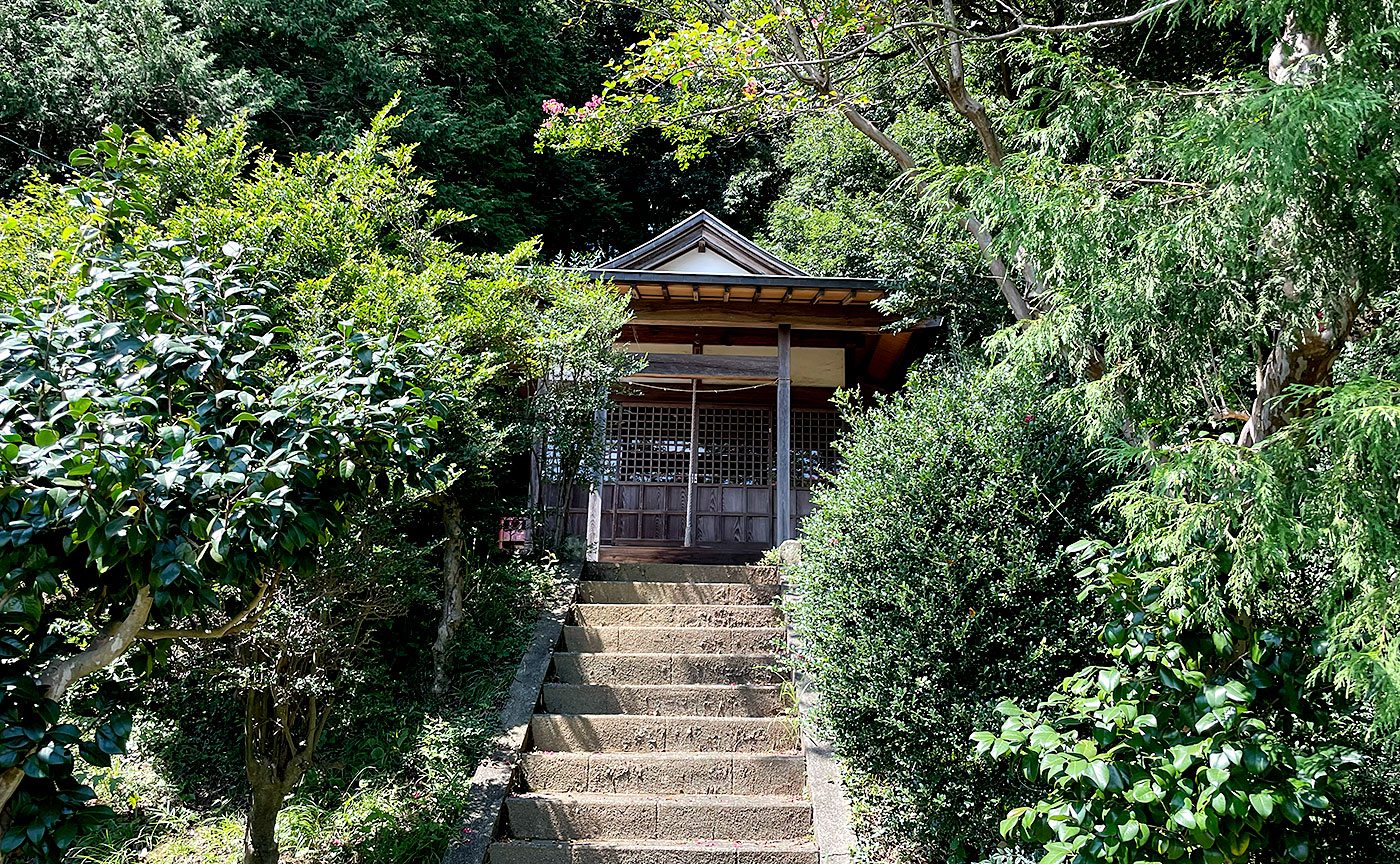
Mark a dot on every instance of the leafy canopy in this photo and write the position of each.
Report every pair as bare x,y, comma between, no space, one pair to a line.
168,451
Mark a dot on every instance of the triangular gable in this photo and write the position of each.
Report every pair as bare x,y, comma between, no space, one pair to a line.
702,244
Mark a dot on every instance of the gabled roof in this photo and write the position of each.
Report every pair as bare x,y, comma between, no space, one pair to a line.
702,243
702,272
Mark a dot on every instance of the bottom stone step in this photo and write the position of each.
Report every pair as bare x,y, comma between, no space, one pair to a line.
652,852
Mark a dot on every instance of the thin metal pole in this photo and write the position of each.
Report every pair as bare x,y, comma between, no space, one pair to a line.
694,463
782,529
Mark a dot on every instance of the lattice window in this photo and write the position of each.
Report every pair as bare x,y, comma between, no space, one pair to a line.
736,446
812,452
647,444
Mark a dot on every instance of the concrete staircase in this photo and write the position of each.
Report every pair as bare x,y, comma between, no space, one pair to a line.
665,736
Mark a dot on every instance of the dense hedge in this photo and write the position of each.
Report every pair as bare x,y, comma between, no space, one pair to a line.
933,587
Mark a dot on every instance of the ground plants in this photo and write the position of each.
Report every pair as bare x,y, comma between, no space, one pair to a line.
394,764
1248,647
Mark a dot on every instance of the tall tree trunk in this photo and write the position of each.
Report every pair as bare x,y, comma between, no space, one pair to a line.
968,106
453,589
260,834
1298,356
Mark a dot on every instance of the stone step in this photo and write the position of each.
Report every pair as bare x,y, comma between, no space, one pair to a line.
696,573
652,852
571,667
695,700
674,615
705,593
665,773
626,733
594,815
675,640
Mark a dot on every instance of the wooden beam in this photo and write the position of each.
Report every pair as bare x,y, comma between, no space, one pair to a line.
728,366
710,313
782,528
687,335
817,297
851,295
888,352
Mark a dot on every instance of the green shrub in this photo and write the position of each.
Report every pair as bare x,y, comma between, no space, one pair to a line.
933,588
1201,743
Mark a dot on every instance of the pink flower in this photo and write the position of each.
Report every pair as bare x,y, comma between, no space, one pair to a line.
593,102
552,106
751,87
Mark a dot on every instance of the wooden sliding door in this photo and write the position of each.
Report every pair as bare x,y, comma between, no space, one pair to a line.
647,462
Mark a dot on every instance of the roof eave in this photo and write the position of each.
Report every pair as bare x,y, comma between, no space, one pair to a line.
654,277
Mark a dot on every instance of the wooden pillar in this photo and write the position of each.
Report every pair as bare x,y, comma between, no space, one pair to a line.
694,462
782,510
593,539
537,504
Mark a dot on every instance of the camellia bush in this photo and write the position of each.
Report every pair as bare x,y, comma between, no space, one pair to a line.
168,456
933,588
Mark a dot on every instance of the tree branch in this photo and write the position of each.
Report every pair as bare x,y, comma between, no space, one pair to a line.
964,36
237,624
1019,307
60,675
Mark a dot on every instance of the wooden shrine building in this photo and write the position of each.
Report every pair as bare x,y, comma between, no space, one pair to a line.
713,449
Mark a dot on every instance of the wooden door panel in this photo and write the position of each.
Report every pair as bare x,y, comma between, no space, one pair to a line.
653,498
760,529
709,499
759,500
